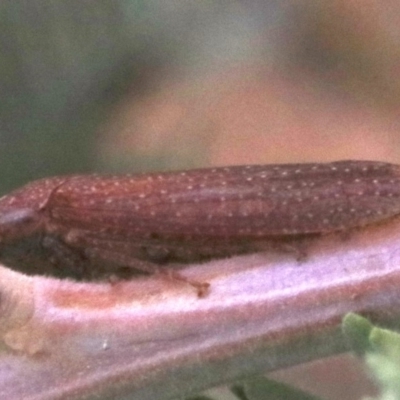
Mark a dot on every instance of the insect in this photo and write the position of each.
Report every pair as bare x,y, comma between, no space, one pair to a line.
149,220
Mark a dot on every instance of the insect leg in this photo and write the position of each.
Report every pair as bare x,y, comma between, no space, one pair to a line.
65,257
127,260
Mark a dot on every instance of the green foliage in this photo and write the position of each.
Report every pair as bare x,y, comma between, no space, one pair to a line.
357,330
381,351
261,388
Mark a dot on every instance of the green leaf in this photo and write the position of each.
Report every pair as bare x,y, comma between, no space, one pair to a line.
381,348
384,361
357,330
386,342
261,388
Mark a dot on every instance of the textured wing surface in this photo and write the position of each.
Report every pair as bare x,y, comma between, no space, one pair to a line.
248,201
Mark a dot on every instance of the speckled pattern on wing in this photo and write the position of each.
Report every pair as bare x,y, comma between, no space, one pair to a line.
248,201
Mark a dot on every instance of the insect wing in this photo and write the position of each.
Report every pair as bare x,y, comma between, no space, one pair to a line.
248,201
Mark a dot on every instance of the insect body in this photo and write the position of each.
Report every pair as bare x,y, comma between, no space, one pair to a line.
133,220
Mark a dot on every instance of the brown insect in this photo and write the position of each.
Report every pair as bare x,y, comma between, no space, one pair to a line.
89,222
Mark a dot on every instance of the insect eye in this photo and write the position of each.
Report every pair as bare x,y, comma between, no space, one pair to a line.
17,223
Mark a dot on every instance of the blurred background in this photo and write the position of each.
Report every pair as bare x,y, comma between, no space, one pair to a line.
130,85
